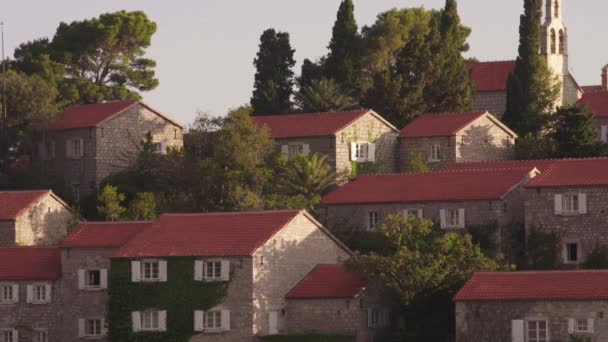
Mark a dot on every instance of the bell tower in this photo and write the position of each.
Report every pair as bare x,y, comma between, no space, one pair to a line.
555,46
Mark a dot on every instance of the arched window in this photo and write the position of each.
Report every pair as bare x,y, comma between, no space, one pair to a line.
553,37
562,42
556,10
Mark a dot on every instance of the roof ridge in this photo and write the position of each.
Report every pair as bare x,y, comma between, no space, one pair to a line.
543,271
23,191
113,222
459,170
236,212
494,61
30,247
352,111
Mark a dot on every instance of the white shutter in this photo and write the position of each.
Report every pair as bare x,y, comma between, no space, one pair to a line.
204,269
591,325
81,275
136,319
15,293
49,289
104,329
353,151
163,147
80,327
103,278
15,335
162,320
306,149
198,270
442,218
371,152
582,203
135,271
162,270
565,252
199,317
517,330
557,202
604,135
461,218
29,294
420,214
68,149
285,150
406,213
225,270
81,154
226,320
570,326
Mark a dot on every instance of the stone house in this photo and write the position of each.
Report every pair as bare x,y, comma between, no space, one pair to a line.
533,306
570,199
454,199
347,138
596,99
32,218
455,137
490,84
87,143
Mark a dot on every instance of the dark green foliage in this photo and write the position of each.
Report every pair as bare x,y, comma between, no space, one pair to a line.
575,135
323,95
142,208
363,168
180,296
95,59
531,88
344,47
534,146
598,259
307,338
486,237
274,77
311,71
542,249
416,163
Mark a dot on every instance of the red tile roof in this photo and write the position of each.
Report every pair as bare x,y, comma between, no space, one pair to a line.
429,187
13,203
573,172
535,286
594,89
491,76
103,234
597,103
435,125
307,125
541,165
30,263
328,281
210,235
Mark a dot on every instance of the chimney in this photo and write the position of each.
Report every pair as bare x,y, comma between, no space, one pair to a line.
605,78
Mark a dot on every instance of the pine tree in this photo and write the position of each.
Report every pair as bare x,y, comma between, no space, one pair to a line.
575,135
531,88
341,63
274,78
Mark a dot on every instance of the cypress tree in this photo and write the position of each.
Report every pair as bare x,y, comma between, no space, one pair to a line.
274,78
341,63
531,88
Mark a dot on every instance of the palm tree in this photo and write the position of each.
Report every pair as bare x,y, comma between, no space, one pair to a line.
308,175
323,95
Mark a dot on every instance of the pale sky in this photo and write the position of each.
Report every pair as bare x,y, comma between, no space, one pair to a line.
205,48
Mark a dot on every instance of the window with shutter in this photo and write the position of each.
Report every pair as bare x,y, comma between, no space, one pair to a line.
93,327
151,320
537,331
213,320
372,220
150,270
9,293
435,153
212,270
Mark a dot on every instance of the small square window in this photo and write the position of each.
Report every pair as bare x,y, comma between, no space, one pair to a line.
453,218
537,331
435,153
7,336
157,147
92,327
92,279
213,320
570,203
213,270
372,220
40,294
150,320
294,150
571,252
362,151
7,294
150,270
581,325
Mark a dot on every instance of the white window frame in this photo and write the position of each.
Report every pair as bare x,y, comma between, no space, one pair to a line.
570,204
413,212
212,270
41,335
151,278
604,133
153,318
13,335
566,252
214,320
214,317
435,153
372,220
84,275
87,277
537,337
447,215
363,151
11,288
97,324
581,325
35,292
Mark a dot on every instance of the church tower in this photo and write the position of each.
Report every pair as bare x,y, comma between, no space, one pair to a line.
555,48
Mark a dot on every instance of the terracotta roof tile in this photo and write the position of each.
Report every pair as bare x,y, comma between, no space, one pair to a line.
597,103
541,165
433,125
12,203
593,89
328,281
103,234
307,125
573,172
89,115
30,263
428,187
215,234
491,76
535,286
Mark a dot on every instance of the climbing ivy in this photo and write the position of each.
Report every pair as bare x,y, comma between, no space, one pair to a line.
180,296
364,168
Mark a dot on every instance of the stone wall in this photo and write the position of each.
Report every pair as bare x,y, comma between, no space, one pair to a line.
484,140
491,321
322,145
423,145
494,102
42,224
283,262
589,230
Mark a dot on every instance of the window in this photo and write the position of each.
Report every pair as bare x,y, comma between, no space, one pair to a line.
40,294
570,203
453,218
571,252
8,335
92,279
553,40
377,318
604,133
213,320
362,151
416,213
435,153
8,293
150,320
536,331
556,9
581,325
76,191
41,336
562,42
76,148
294,150
372,220
92,327
150,270
213,270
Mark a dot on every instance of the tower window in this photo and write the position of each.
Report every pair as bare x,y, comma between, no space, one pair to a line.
556,9
562,42
553,41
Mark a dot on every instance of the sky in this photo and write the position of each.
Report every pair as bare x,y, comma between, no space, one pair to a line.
204,49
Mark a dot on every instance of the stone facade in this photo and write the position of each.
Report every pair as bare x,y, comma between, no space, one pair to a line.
107,148
599,123
491,321
588,230
494,102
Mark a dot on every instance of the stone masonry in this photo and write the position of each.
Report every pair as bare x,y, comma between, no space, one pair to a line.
494,102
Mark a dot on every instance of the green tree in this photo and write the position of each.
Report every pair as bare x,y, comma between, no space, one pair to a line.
421,260
597,259
110,200
143,207
416,163
532,90
575,135
310,72
95,59
543,249
534,146
323,95
274,77
343,58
